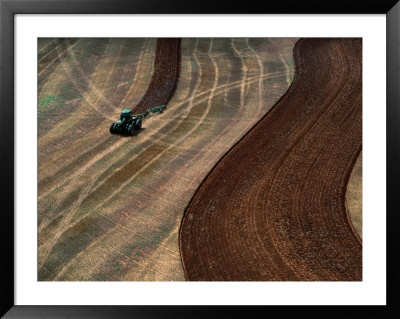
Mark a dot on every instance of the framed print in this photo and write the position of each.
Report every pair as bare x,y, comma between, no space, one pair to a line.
166,159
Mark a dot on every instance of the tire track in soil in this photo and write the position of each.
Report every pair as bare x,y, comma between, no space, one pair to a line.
80,123
163,82
87,159
48,62
285,203
80,151
187,93
59,220
65,104
160,91
42,45
121,161
126,168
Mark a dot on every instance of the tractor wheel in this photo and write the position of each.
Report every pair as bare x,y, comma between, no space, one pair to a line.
112,128
138,124
130,129
126,129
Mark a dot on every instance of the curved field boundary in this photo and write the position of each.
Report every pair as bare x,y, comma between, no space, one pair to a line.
274,207
354,197
165,77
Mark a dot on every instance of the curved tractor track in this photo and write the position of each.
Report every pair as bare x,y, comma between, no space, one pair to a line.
274,207
165,76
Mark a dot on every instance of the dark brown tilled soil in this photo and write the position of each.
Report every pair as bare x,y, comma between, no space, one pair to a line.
165,77
273,209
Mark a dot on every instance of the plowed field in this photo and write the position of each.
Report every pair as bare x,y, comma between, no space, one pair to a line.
110,207
274,207
165,77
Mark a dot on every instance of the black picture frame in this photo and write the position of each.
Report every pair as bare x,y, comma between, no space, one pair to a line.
8,8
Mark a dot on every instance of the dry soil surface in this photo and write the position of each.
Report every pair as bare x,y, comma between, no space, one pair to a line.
274,207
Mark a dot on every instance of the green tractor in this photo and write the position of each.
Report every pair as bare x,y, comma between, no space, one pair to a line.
127,123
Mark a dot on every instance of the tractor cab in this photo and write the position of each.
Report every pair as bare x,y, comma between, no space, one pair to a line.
125,115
